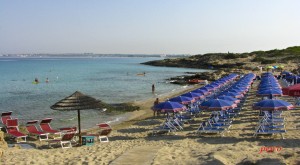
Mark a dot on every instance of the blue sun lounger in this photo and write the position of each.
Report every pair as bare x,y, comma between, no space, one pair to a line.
262,130
205,128
166,127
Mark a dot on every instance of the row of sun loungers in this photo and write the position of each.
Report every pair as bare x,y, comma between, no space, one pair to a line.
42,130
219,122
270,122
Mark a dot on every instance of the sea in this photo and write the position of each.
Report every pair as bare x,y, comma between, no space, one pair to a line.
109,79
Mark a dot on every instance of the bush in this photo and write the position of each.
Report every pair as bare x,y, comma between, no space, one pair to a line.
258,59
265,61
245,55
291,58
231,56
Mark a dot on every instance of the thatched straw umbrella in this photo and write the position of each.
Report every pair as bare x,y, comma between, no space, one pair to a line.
77,101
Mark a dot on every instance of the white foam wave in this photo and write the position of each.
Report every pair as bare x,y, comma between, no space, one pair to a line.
115,120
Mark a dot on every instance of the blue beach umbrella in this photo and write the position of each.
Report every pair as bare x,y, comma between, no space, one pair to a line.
215,84
239,91
269,86
182,99
217,104
205,89
271,104
268,92
211,86
193,95
202,92
169,106
235,95
230,98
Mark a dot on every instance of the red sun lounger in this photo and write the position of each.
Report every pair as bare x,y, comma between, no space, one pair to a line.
12,129
105,130
5,116
45,127
32,129
65,141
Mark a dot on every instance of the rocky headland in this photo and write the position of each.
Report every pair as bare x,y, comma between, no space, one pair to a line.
224,63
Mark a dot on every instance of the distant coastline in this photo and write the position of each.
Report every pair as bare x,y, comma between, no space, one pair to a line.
89,55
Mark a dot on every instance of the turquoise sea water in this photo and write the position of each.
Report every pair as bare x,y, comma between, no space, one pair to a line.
112,80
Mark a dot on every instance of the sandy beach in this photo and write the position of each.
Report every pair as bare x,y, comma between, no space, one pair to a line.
131,142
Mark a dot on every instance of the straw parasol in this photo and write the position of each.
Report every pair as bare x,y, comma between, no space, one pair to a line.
77,101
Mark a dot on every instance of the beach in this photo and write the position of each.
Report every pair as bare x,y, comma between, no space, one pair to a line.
132,142
149,82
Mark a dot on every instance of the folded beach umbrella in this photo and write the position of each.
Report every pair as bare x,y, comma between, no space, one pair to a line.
182,100
217,104
193,95
169,106
271,104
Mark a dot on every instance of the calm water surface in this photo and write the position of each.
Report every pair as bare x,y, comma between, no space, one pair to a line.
112,80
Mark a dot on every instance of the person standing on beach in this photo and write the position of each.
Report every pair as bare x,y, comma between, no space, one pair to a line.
153,88
154,104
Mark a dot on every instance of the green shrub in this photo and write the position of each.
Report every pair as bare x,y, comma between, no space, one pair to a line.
231,56
265,61
245,55
258,59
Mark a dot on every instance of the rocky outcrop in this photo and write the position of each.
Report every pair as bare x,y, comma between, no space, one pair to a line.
233,60
210,76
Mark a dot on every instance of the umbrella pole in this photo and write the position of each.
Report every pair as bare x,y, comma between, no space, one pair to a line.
79,127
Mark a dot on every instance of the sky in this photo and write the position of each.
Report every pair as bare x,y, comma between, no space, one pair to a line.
147,26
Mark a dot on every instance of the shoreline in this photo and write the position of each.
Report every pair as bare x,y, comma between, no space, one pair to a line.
145,108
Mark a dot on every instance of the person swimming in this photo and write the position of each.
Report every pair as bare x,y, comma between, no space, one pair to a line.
141,74
36,81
